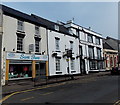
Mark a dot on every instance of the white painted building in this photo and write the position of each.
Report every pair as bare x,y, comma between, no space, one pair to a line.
24,47
60,40
90,48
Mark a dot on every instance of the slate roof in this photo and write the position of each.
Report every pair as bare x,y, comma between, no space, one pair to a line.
110,43
34,19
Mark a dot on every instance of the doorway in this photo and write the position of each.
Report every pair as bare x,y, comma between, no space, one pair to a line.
41,70
82,66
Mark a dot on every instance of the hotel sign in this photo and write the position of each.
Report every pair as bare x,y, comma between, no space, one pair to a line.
22,56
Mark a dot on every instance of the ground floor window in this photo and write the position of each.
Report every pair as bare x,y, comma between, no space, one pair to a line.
57,64
72,65
20,70
100,64
92,65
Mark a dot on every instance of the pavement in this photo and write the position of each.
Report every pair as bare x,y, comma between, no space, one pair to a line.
28,84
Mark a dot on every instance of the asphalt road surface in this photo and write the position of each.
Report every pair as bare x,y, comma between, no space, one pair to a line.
93,90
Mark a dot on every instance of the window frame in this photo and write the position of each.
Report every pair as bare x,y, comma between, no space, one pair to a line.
97,42
56,27
93,55
19,43
37,46
72,64
90,38
37,30
57,44
57,63
71,45
20,25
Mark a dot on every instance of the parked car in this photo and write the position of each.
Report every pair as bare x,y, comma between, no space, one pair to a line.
115,70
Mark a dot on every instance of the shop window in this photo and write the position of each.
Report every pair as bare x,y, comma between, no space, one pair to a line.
57,64
20,71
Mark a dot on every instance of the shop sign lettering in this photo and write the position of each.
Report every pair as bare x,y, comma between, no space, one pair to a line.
19,56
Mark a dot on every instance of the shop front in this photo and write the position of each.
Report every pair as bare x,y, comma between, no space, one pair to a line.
23,66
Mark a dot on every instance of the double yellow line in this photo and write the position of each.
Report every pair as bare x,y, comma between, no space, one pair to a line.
8,96
117,103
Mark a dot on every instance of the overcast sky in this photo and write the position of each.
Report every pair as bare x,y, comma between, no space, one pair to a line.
102,17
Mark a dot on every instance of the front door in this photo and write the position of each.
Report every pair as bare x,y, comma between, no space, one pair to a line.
42,70
82,66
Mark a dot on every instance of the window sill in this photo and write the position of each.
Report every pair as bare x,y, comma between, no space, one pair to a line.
73,71
18,51
58,72
20,31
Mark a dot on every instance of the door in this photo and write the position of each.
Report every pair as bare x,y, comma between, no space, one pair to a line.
42,70
82,66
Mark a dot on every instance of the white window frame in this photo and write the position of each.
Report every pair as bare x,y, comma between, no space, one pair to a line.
72,64
37,30
71,45
57,44
90,38
97,40
57,27
57,62
20,25
19,44
37,46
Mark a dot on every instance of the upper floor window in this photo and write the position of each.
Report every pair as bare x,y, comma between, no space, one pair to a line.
97,40
80,50
37,31
37,45
98,53
91,51
71,45
57,27
57,43
19,43
70,31
20,25
90,38
77,32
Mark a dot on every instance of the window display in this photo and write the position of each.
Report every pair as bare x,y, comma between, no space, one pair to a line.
19,71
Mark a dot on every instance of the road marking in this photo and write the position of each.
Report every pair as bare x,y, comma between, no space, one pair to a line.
47,93
27,98
117,102
8,96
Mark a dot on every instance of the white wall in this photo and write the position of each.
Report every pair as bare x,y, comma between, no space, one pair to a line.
64,40
10,38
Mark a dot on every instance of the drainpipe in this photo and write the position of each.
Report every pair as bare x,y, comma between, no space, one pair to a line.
1,33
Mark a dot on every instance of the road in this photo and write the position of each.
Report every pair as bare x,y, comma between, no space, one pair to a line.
103,89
